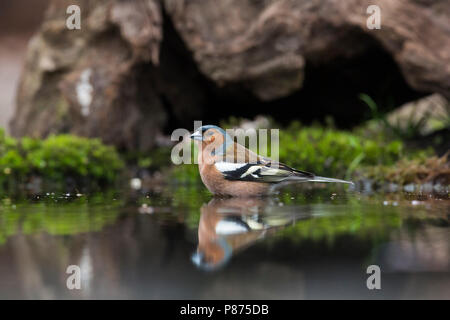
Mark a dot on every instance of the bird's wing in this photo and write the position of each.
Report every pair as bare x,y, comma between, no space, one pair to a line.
261,171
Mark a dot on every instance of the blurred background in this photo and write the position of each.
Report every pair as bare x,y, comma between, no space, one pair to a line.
85,172
137,69
19,21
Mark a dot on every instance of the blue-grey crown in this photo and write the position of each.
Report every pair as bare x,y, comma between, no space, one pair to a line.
210,126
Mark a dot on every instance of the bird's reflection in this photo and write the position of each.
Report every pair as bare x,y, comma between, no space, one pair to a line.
228,225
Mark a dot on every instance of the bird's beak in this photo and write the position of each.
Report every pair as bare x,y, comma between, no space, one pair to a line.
197,135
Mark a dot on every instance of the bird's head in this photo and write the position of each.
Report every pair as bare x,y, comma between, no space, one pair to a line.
213,136
214,256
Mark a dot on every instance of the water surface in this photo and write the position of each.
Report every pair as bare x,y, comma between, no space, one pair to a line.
307,242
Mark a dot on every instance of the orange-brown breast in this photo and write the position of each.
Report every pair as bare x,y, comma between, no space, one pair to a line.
218,185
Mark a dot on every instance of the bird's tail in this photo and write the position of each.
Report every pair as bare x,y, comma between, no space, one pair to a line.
294,179
324,179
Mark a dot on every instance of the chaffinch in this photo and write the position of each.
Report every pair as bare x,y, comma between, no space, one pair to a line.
226,226
228,168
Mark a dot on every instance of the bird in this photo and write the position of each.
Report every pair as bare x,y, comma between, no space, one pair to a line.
227,168
226,227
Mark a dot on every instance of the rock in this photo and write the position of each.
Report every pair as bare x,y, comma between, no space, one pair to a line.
429,114
392,187
426,187
138,67
264,44
260,122
409,187
439,188
83,81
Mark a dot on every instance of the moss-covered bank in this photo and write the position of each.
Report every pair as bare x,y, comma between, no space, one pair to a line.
358,155
57,159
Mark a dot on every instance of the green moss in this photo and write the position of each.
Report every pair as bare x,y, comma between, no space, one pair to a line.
57,158
336,153
154,160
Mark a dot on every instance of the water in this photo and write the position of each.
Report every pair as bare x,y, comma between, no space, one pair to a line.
177,242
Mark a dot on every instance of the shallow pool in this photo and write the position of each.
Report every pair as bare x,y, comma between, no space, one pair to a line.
307,242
